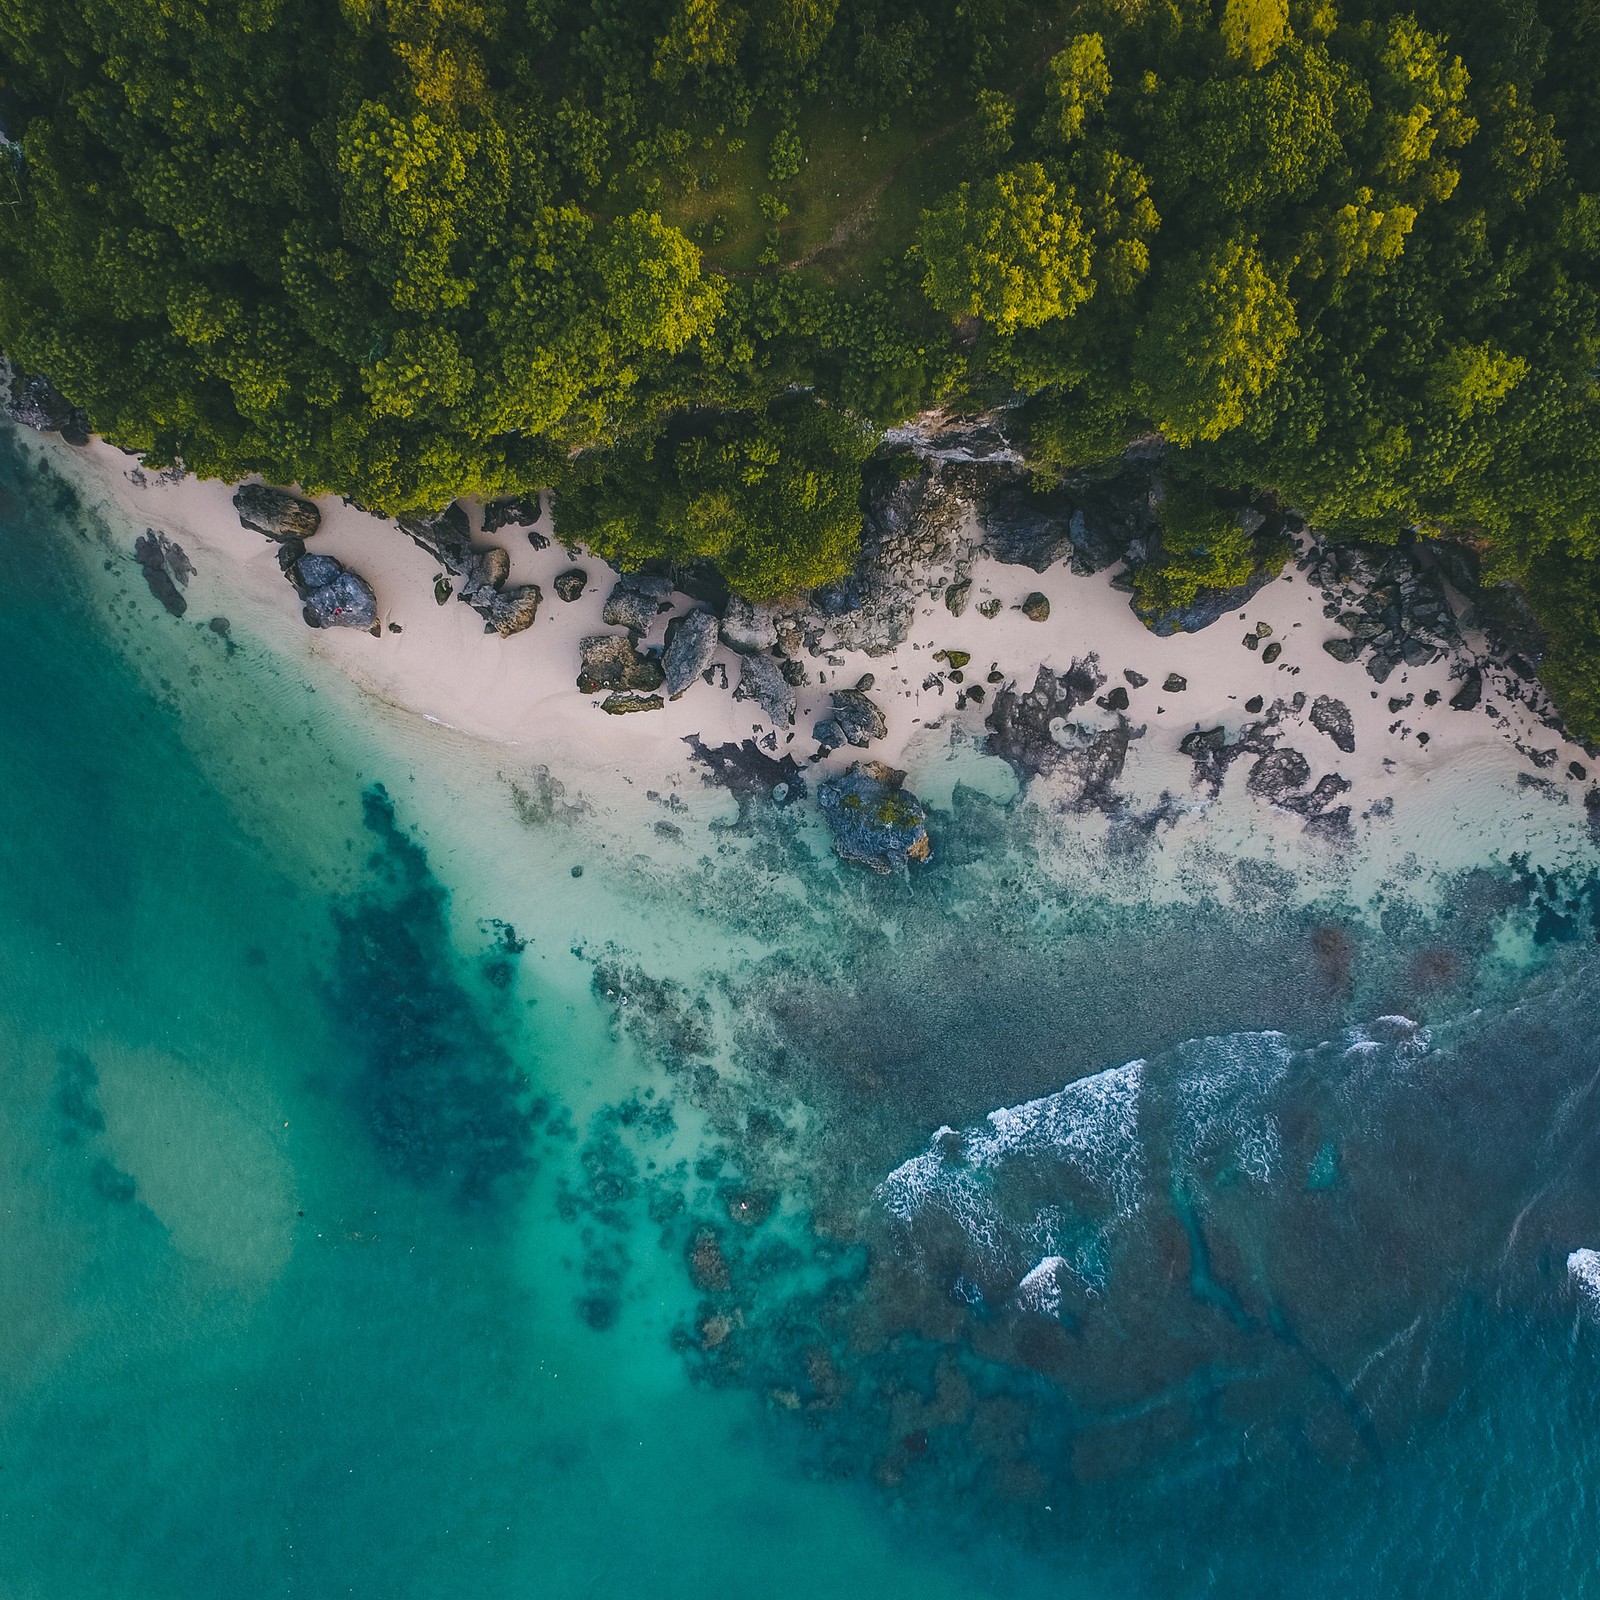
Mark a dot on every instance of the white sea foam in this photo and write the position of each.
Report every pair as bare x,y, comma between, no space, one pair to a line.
1092,1123
1223,1095
1583,1267
1040,1290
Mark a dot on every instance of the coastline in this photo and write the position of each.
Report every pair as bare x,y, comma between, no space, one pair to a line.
1428,782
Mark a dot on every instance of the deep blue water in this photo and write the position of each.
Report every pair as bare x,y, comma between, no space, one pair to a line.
386,1212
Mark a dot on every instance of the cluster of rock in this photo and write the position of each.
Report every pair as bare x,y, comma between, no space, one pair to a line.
166,568
36,403
1279,774
1034,731
481,574
1391,604
331,596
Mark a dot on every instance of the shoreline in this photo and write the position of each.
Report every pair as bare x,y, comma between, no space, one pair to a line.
1410,780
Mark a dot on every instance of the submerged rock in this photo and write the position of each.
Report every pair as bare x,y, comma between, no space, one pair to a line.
761,679
167,569
275,512
609,661
691,645
875,823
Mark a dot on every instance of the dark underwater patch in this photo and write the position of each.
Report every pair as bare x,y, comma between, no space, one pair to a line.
441,1096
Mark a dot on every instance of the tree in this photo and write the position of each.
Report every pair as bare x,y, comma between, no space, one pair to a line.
1218,329
1077,84
1012,250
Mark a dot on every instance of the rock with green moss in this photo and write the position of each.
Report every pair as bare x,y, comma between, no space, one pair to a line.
876,823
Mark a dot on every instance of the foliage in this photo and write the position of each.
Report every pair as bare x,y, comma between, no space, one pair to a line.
413,249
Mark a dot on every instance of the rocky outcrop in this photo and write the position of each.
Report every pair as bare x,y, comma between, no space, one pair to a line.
1391,607
609,661
856,720
691,646
875,822
36,403
167,569
276,513
330,595
1278,774
1333,718
635,601
748,773
761,679
521,512
748,627
1034,732
447,537
510,610
1091,522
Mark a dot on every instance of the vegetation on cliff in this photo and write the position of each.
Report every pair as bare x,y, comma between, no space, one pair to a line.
679,257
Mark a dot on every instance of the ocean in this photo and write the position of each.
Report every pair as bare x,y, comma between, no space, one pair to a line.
428,1173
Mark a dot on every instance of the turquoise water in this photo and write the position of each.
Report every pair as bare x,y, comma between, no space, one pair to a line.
386,1211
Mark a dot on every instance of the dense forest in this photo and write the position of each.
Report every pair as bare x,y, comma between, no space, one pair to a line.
685,259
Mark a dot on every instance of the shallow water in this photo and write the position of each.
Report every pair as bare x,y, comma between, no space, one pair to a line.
388,1211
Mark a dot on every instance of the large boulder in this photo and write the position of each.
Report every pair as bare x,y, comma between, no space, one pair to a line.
522,512
609,661
635,601
875,823
482,574
761,679
275,512
331,596
748,627
446,536
510,610
1091,522
856,720
1333,718
691,644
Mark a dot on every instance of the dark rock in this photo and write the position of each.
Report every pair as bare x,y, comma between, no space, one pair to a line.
1137,679
1022,527
220,626
1466,698
1114,699
441,590
875,823
1253,704
482,573
691,644
275,512
1272,652
344,601
957,595
617,705
521,512
167,569
510,611
1174,684
609,661
1333,718
867,680
1209,605
1024,727
858,719
748,773
1089,521
762,680
1341,649
636,600
989,609
1252,642
569,585
747,627
1277,775
1431,698
36,403
1036,608
446,536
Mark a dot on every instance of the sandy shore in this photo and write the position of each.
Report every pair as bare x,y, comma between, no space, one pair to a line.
1421,775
